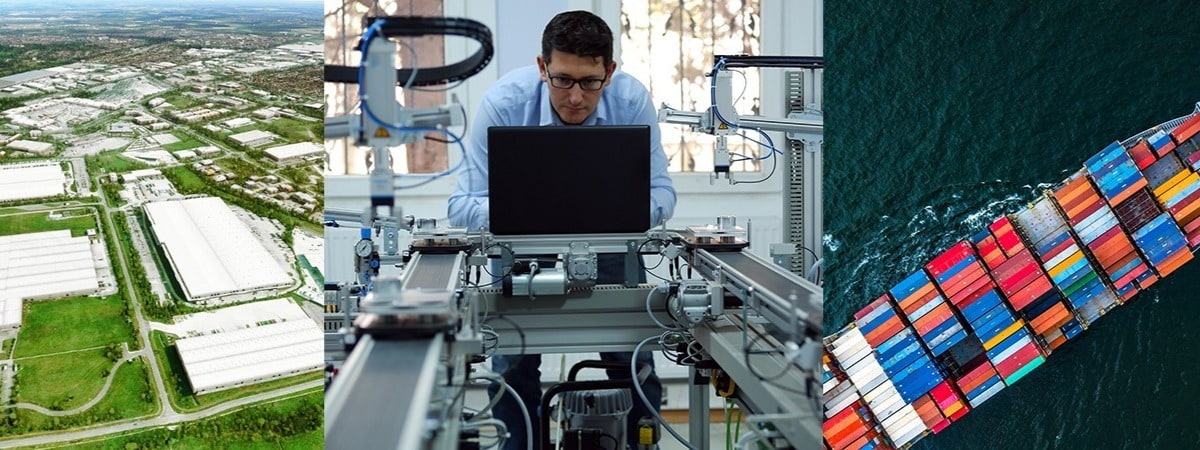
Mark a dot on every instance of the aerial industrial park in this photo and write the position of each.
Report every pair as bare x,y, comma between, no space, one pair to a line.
159,242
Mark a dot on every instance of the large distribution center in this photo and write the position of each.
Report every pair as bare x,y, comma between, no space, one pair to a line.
213,253
18,182
286,154
227,360
43,265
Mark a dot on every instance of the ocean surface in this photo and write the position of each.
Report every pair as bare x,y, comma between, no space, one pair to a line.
941,116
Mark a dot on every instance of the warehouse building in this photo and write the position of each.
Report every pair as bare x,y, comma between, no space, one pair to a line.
247,356
254,138
35,147
43,265
212,252
37,180
293,153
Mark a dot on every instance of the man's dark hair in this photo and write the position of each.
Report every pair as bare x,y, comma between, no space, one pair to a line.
579,33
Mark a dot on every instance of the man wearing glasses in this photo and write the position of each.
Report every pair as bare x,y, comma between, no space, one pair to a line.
575,82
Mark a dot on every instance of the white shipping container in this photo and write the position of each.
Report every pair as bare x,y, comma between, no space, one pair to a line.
851,335
1006,353
987,394
875,313
893,405
841,402
910,432
864,372
845,353
1062,256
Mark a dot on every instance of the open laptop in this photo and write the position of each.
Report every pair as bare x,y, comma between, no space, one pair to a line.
569,180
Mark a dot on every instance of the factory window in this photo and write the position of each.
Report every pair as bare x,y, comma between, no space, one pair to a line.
668,45
343,27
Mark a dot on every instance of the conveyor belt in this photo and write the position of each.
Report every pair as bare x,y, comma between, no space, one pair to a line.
776,282
381,395
432,272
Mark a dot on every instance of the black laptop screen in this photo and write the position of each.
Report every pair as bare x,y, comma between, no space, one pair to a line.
569,180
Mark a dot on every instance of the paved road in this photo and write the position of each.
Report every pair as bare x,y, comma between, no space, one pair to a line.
161,420
167,415
86,406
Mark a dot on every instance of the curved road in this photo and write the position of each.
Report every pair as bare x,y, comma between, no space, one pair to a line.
84,407
161,420
167,415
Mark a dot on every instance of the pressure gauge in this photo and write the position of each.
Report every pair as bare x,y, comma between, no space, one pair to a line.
363,248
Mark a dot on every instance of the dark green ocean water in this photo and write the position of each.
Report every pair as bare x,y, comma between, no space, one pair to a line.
943,115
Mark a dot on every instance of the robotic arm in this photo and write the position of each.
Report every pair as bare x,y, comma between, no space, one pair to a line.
722,120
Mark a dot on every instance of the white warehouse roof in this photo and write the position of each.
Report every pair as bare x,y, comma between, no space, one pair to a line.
24,181
252,136
41,148
43,265
298,150
250,355
213,253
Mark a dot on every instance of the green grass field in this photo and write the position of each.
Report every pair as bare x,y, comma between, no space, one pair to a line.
40,221
129,396
294,130
75,323
180,392
62,381
112,162
181,101
190,182
186,141
291,423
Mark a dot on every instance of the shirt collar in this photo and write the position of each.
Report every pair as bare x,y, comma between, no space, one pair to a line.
598,117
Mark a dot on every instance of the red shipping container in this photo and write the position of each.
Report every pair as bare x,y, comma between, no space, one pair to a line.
918,295
883,300
1186,130
1129,191
844,428
944,395
1086,211
1109,242
928,411
916,304
1020,278
1017,360
1050,319
884,332
1022,298
933,319
962,412
949,258
1142,154
921,297
1132,275
973,292
1175,261
1062,247
1071,191
963,279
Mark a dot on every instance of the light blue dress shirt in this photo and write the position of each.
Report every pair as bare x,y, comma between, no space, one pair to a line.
520,98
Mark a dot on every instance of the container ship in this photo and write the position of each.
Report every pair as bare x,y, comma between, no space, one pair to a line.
990,309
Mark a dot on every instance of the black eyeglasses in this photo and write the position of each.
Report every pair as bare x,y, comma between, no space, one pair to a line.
589,84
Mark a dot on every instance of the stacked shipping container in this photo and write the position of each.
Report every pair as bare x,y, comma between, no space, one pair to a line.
1097,226
1064,261
986,312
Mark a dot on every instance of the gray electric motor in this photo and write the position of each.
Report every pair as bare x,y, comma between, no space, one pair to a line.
604,410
